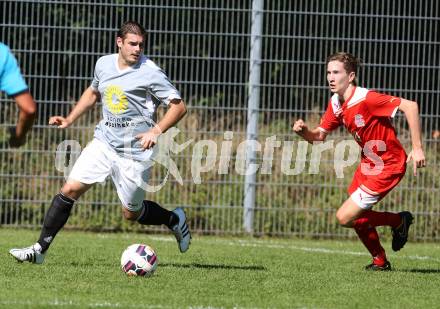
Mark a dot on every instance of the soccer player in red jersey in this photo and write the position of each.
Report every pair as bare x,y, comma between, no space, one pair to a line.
366,115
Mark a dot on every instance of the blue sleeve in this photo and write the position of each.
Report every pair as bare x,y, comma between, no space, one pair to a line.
11,80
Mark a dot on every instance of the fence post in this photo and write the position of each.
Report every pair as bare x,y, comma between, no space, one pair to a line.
253,106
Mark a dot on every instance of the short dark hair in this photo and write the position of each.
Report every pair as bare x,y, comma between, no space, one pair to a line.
351,63
131,27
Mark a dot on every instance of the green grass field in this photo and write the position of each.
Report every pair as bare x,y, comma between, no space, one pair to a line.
82,271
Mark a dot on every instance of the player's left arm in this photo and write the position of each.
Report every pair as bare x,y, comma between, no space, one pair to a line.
26,117
411,111
13,83
176,111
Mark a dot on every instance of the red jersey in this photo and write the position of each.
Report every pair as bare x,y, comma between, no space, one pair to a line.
367,116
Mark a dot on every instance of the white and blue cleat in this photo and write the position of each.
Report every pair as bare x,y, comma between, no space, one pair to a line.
30,254
181,230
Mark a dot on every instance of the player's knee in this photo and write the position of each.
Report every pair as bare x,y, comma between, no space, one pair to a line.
343,219
129,215
70,191
74,189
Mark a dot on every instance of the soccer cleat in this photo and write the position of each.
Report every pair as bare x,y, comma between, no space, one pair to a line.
375,267
30,254
400,234
181,230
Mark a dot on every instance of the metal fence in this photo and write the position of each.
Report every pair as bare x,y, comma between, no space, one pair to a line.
234,63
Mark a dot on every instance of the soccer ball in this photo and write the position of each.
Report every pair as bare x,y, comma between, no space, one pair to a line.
139,260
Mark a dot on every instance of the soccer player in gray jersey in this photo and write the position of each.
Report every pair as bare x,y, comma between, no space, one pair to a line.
129,85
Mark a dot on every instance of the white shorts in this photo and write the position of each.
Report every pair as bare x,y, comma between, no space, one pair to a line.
363,199
98,161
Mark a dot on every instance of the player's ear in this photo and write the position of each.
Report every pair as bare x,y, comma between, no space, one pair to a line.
351,77
119,41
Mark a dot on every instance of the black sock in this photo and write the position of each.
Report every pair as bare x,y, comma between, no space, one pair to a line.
153,214
55,219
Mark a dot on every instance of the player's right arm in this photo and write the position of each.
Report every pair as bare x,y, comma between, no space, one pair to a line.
315,135
88,100
329,122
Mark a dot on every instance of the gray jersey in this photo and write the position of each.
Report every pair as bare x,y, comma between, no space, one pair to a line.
130,98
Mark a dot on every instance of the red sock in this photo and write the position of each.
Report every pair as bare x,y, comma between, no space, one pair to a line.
370,239
372,218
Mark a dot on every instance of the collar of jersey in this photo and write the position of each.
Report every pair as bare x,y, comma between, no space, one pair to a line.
345,104
126,69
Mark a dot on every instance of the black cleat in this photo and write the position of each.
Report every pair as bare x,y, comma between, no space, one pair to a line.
374,267
400,234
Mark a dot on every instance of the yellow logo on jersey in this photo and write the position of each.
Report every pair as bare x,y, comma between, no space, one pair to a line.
115,99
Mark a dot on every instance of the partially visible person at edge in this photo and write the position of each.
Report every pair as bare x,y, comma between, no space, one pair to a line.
13,83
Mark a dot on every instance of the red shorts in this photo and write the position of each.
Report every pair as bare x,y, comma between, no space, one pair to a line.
380,184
